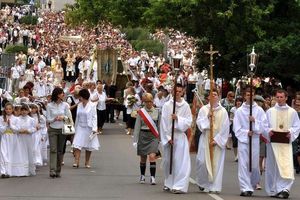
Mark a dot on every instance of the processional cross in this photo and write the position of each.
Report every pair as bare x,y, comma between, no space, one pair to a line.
211,134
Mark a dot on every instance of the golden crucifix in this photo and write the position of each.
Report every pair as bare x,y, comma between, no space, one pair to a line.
211,133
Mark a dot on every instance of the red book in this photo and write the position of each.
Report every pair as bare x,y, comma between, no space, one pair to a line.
280,137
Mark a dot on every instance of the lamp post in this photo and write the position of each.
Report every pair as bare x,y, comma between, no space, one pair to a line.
253,58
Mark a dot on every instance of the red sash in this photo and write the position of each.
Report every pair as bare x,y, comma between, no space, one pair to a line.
149,122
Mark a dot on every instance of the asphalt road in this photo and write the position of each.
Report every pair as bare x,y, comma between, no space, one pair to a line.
114,175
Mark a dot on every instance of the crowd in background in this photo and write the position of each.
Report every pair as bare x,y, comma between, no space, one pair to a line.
54,61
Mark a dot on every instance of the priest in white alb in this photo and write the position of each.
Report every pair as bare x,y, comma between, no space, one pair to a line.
209,173
241,127
178,181
279,163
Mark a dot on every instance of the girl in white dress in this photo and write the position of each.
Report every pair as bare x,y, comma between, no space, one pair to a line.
44,135
9,140
85,129
24,125
36,136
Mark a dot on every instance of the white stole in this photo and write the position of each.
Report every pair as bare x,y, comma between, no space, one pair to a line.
283,153
211,166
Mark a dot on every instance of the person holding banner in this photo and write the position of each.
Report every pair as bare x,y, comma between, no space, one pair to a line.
178,181
284,128
209,173
146,136
248,178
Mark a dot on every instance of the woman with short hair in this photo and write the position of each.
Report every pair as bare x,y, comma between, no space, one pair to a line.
85,129
146,137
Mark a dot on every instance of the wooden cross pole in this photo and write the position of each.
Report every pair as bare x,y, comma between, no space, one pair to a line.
211,114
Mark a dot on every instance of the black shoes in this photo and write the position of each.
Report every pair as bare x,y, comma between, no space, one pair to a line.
166,188
52,174
5,176
246,194
177,192
284,194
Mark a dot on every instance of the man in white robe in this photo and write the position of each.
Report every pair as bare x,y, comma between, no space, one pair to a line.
84,67
209,175
178,181
279,163
247,179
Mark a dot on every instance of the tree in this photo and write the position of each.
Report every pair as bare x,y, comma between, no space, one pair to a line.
89,12
128,13
119,12
232,26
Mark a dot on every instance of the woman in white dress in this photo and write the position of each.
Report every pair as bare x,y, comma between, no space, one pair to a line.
85,129
132,104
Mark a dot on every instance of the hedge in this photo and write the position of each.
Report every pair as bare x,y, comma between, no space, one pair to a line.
153,46
140,39
29,20
16,49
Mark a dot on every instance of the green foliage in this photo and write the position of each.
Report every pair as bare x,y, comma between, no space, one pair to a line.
89,12
152,46
140,39
16,49
232,26
29,20
128,13
23,1
137,33
119,12
37,3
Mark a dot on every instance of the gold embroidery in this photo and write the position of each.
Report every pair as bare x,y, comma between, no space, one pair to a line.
281,126
8,131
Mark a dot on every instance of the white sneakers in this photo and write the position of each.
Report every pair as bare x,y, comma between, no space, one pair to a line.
143,180
152,180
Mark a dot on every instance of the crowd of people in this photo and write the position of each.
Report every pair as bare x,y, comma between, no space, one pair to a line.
57,82
61,57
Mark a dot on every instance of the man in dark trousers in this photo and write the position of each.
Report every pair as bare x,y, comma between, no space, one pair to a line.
110,90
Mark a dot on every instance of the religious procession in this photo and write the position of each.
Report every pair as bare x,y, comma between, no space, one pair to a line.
71,82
